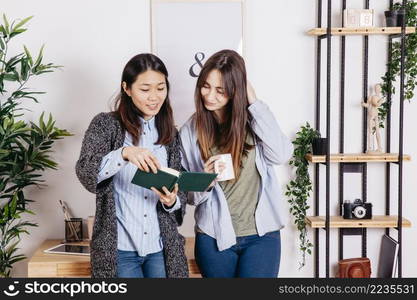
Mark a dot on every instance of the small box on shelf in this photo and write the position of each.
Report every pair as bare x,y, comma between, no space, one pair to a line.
358,17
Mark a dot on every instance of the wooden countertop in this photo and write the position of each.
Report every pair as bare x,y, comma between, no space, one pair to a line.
43,264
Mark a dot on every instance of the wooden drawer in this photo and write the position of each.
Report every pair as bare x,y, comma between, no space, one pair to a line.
80,269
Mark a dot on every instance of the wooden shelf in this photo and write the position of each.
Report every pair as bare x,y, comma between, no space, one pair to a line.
357,157
361,31
339,222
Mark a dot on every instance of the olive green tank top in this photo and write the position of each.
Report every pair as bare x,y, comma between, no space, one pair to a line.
242,194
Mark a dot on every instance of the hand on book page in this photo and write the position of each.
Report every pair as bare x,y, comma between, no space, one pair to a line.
142,158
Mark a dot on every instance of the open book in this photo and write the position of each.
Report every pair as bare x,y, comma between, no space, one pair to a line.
187,181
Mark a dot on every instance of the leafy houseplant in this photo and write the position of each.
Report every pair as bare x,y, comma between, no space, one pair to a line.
24,146
299,188
394,66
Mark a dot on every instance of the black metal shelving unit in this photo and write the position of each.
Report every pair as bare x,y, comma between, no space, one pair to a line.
353,167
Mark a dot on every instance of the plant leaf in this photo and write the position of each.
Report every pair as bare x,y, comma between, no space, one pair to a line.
23,22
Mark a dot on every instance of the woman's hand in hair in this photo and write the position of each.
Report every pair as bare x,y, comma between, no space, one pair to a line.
251,93
142,158
209,167
168,198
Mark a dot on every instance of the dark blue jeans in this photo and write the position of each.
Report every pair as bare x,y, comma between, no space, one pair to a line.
253,256
131,265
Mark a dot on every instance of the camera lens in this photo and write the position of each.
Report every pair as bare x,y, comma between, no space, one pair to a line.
359,212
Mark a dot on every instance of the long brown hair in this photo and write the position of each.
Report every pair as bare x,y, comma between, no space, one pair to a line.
126,110
230,136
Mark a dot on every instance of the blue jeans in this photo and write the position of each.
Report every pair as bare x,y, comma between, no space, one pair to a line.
131,265
253,256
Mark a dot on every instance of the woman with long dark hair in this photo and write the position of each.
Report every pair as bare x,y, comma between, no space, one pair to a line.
238,220
135,231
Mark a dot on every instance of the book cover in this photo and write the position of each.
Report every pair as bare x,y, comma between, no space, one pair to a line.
187,181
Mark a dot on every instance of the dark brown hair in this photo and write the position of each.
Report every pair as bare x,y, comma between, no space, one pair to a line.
126,110
230,136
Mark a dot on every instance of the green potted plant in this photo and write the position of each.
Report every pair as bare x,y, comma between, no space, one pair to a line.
393,67
25,147
299,188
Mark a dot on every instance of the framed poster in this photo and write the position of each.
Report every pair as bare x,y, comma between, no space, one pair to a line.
185,33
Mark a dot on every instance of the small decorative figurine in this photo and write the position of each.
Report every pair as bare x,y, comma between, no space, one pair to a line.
374,102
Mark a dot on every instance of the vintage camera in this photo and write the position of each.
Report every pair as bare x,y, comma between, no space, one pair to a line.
356,210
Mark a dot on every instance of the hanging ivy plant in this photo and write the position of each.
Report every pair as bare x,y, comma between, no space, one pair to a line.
299,188
394,66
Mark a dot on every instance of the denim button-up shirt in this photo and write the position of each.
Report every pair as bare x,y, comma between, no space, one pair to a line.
212,214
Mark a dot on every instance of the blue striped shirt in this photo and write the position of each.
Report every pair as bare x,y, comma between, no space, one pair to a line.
137,221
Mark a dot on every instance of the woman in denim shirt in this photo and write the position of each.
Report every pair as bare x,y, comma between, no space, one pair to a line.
238,221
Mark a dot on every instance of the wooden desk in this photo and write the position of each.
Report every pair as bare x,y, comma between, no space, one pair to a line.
60,265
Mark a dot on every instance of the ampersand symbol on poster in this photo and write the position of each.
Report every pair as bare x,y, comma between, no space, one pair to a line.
199,57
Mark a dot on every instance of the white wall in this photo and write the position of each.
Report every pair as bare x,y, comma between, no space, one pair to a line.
94,39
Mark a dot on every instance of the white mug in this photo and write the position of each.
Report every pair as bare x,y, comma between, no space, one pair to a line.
228,173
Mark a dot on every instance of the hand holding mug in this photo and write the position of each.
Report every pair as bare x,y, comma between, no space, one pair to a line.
209,167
